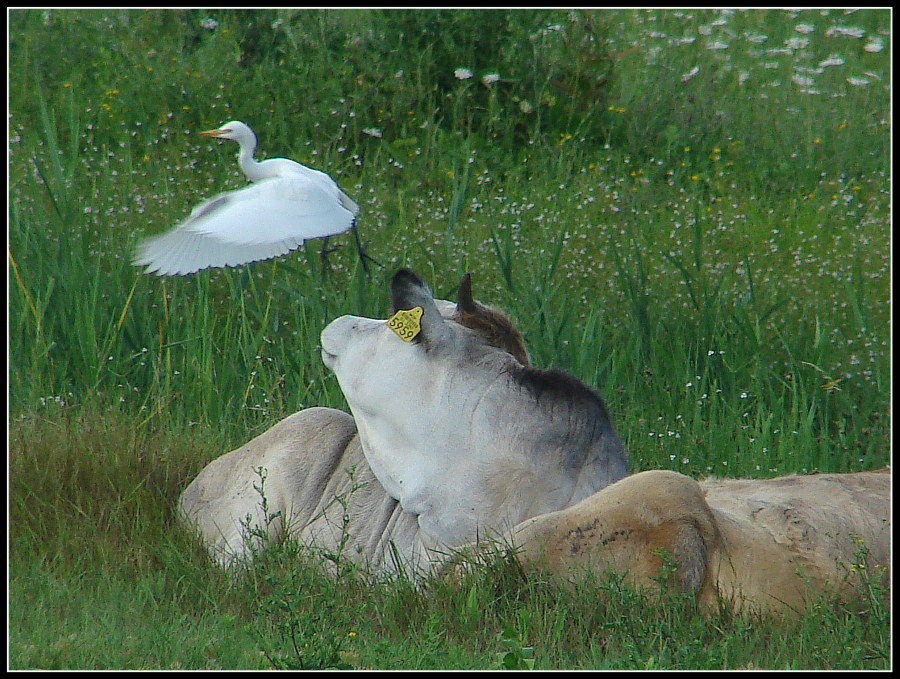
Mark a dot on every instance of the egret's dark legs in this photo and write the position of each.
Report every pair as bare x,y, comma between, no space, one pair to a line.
360,250
324,252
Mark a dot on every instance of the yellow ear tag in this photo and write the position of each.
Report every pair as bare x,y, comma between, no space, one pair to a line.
406,323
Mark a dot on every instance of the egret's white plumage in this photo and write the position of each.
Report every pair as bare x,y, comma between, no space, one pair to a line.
287,204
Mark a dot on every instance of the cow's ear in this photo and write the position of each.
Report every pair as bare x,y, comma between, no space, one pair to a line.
407,292
464,300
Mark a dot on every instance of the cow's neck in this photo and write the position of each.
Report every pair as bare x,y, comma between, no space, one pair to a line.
469,485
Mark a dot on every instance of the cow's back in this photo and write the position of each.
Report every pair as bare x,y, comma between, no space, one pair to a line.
787,535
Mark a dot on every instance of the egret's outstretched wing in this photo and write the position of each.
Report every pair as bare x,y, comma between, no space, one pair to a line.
263,220
273,210
183,251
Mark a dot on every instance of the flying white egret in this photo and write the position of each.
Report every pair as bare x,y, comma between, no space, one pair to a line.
287,204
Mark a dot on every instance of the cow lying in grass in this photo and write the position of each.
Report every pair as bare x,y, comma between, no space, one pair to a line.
454,439
768,544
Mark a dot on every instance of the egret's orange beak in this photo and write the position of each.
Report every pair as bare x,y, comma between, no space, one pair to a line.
214,133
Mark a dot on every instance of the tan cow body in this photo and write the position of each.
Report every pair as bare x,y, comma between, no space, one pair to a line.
769,544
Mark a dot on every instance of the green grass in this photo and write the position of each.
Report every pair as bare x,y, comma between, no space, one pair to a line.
709,249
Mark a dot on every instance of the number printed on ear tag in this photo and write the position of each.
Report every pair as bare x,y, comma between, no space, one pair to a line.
406,323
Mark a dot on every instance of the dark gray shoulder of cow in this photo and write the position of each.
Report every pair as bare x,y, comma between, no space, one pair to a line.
589,428
491,324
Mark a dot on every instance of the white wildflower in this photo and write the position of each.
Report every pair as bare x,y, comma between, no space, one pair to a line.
802,80
462,73
372,132
796,43
717,45
846,31
547,30
489,78
875,45
209,23
857,82
804,28
832,60
690,74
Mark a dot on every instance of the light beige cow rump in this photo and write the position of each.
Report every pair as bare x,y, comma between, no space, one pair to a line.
768,544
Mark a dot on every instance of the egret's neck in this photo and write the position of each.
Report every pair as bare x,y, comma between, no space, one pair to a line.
249,166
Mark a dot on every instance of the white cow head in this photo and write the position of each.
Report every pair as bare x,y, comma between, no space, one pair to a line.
457,427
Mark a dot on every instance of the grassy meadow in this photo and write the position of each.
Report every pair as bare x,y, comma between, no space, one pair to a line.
689,210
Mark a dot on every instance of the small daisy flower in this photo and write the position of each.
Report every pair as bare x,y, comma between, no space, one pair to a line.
690,74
